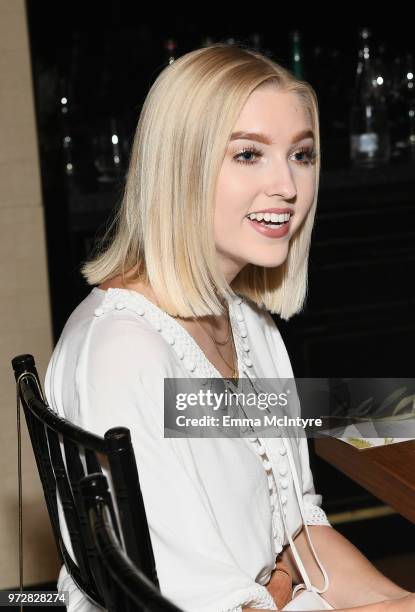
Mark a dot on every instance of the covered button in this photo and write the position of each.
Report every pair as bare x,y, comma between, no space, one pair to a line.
190,365
243,331
284,483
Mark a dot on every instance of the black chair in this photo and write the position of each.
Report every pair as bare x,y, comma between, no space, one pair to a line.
129,588
84,453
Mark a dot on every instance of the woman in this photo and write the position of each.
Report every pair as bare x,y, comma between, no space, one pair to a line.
213,232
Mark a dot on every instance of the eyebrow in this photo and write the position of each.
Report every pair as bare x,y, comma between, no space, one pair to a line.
260,137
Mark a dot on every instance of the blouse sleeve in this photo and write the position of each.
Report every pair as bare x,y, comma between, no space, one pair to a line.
121,383
314,514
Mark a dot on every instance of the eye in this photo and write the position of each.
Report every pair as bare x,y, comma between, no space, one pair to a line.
249,151
310,155
246,155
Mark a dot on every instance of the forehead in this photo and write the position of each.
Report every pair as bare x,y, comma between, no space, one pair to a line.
275,112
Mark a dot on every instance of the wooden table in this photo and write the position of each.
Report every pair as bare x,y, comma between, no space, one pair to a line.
388,472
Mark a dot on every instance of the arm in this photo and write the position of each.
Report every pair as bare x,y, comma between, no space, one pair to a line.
404,604
354,581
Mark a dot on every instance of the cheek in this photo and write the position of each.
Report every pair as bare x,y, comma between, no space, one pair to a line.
234,191
228,188
309,197
305,191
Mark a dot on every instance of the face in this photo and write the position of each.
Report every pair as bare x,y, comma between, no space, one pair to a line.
275,170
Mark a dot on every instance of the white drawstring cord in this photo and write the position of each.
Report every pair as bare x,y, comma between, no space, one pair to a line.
297,558
306,579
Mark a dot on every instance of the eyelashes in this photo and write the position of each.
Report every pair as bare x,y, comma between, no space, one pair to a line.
250,150
310,153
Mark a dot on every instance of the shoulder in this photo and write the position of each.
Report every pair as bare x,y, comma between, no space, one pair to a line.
125,326
113,327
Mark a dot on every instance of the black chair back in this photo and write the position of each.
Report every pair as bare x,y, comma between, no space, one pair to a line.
128,588
84,453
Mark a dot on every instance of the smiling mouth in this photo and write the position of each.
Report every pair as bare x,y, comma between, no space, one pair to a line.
270,220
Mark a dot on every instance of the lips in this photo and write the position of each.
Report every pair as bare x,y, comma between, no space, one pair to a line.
272,210
270,232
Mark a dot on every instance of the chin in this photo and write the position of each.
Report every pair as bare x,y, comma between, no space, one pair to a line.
274,264
272,261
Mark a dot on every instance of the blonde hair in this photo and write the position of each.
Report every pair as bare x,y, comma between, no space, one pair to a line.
179,145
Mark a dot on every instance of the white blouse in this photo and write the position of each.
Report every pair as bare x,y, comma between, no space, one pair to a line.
217,520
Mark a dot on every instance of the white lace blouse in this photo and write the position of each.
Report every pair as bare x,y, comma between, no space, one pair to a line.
216,519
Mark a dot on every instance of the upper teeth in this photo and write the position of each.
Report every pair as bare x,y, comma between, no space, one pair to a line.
270,217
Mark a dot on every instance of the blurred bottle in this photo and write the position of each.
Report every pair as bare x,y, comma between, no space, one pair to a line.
255,40
170,46
297,61
207,41
397,110
410,103
107,153
67,140
368,121
403,108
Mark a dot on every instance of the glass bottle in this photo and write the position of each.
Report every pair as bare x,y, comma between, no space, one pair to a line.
407,97
107,153
207,41
170,47
368,120
256,41
397,110
410,103
297,63
67,141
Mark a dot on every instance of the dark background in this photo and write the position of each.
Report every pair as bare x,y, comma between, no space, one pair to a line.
358,321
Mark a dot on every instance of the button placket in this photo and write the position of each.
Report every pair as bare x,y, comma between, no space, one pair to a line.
237,321
260,448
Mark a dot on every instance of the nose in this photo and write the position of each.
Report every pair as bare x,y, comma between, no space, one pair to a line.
281,182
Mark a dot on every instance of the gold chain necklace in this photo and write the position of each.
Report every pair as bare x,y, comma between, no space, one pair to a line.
234,366
221,343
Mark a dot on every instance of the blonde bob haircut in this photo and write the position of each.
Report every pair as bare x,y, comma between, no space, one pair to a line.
164,224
